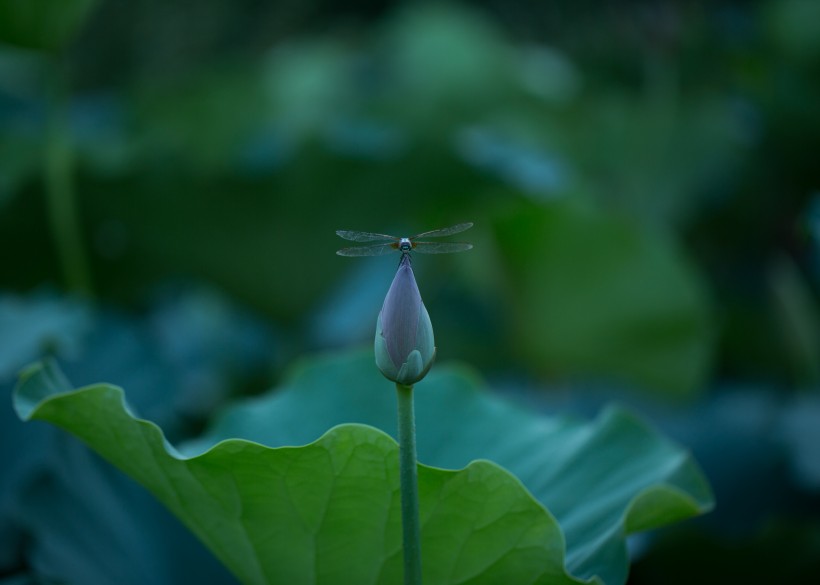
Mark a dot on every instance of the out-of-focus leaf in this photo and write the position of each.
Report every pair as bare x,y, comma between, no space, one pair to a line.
447,61
84,522
797,315
327,512
42,24
349,313
800,429
171,115
16,464
601,480
179,361
597,295
549,74
30,326
21,120
529,168
660,162
308,84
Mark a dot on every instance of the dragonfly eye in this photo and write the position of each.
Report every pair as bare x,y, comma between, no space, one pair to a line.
405,245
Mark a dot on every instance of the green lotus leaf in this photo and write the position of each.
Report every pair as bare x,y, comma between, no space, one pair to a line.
602,480
327,512
330,508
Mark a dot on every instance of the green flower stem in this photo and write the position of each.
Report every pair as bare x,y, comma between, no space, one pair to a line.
60,196
411,532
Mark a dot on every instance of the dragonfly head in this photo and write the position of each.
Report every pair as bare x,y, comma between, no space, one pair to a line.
405,245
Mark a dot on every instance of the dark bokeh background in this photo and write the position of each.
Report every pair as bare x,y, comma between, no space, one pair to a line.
643,176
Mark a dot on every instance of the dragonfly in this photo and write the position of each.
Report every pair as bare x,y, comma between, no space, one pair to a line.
388,244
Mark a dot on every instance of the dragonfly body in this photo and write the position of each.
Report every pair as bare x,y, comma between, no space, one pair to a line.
388,244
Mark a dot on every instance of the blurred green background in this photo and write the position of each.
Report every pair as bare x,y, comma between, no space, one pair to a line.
643,177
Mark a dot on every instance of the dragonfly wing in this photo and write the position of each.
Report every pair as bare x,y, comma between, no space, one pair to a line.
449,231
440,247
373,250
363,236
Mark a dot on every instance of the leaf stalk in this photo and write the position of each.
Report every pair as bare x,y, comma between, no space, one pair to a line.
408,475
59,185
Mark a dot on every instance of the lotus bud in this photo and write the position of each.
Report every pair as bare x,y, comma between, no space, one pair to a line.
404,334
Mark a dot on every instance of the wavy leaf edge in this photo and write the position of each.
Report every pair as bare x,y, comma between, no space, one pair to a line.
30,408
